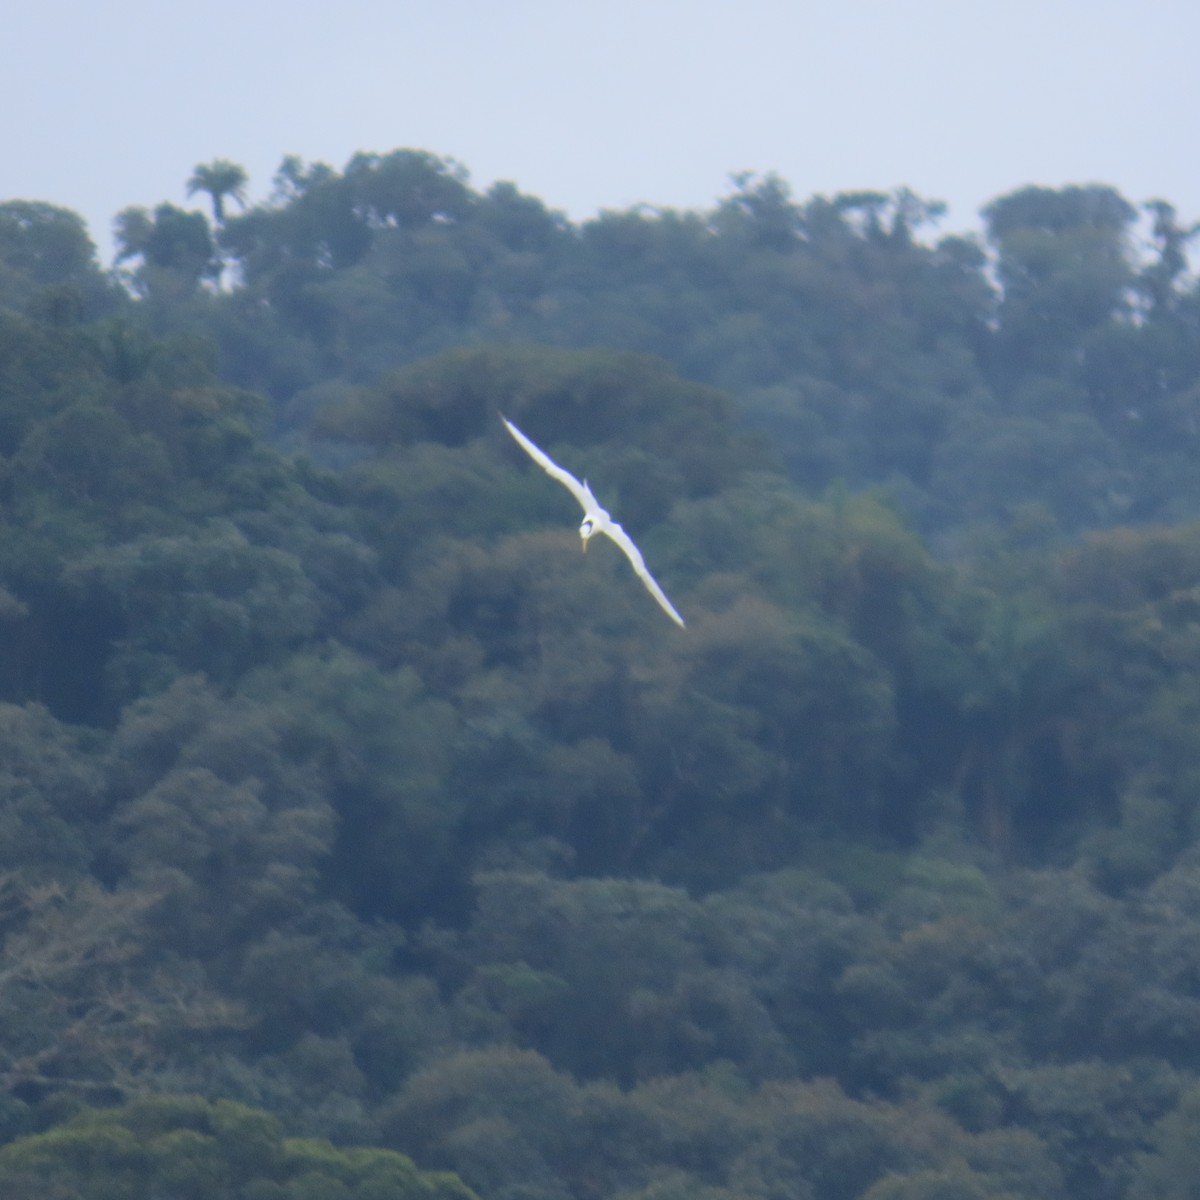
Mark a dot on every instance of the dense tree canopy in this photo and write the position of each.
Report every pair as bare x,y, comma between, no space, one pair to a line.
350,814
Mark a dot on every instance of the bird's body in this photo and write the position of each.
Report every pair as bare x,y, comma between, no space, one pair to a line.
596,518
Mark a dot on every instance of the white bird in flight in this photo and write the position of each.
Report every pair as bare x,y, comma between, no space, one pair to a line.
596,518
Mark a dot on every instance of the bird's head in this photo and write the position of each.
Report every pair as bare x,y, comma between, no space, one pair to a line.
586,530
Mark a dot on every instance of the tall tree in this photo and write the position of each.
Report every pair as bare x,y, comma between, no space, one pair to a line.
1064,261
1160,279
175,248
219,178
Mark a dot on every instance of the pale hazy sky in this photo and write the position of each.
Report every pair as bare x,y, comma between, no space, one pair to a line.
107,103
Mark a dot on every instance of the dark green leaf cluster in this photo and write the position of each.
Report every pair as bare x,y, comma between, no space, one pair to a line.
196,1150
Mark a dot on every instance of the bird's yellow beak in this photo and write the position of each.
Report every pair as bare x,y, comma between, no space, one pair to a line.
585,542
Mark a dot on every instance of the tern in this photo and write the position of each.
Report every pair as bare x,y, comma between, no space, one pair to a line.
596,518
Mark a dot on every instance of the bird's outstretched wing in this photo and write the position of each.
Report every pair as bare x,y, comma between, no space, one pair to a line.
580,491
634,555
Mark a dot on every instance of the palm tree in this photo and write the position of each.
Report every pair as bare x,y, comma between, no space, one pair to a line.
219,178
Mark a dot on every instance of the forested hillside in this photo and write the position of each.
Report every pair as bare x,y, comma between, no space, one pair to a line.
360,837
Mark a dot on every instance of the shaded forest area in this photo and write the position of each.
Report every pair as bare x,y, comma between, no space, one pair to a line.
350,819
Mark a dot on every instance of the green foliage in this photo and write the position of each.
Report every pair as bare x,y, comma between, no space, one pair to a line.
196,1150
1063,263
502,1116
48,266
1168,1170
219,178
339,789
174,251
